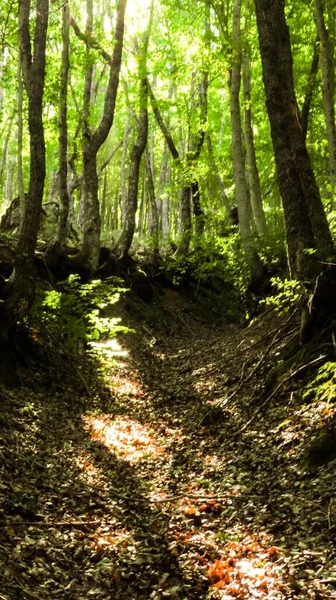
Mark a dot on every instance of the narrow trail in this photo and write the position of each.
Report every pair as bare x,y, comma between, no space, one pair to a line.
150,490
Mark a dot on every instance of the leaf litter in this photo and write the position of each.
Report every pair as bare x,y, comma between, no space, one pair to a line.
169,481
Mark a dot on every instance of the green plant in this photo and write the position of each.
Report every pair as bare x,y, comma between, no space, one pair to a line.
79,313
287,292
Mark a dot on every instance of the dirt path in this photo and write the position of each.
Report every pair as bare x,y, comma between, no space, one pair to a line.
169,483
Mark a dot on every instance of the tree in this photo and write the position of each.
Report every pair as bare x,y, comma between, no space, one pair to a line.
93,140
33,57
291,157
241,192
125,240
328,85
63,129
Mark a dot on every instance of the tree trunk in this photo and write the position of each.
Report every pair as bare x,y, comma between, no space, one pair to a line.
241,191
63,130
153,218
276,58
123,170
328,86
309,92
94,140
224,201
302,204
33,68
126,238
252,169
163,204
21,191
185,206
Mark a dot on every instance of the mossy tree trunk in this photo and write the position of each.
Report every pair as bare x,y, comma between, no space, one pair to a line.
33,56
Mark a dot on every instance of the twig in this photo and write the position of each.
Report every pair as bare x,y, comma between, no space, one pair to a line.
200,497
300,370
267,335
329,513
250,375
48,524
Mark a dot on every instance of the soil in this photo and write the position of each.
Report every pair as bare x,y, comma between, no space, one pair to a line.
177,467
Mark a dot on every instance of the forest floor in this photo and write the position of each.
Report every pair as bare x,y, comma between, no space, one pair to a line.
181,475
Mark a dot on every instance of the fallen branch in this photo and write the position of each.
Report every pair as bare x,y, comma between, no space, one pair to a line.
48,524
279,386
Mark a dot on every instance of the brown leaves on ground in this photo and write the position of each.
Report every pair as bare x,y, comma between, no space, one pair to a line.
169,482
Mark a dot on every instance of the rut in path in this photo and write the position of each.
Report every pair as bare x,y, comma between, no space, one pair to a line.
157,487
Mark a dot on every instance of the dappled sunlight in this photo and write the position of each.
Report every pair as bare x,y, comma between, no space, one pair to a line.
246,569
129,439
110,352
122,384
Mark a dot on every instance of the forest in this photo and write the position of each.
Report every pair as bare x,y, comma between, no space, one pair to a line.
167,299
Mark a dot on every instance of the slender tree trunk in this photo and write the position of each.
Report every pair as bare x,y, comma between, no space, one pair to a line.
94,140
309,92
276,58
328,86
252,169
241,191
153,218
63,130
10,166
224,201
163,197
5,152
104,202
125,240
190,190
123,170
20,181
185,220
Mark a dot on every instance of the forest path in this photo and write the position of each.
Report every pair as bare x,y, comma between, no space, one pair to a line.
149,490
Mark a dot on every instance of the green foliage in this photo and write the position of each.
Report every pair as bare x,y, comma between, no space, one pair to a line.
323,387
217,256
287,293
75,311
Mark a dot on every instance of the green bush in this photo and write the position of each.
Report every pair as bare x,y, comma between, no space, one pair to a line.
73,311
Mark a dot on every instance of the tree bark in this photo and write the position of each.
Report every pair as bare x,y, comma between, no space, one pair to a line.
123,170
22,285
125,241
309,92
252,169
163,203
63,130
21,191
275,49
241,190
328,85
224,200
153,218
94,140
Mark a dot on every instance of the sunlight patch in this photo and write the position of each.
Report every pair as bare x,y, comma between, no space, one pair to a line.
123,385
246,570
129,439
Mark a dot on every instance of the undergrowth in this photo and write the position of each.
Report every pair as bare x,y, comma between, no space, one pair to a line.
77,315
